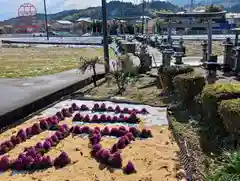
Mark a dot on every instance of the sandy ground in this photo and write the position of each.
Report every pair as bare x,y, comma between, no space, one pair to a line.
155,159
194,48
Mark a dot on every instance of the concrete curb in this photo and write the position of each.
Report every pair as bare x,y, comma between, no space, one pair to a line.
23,111
48,43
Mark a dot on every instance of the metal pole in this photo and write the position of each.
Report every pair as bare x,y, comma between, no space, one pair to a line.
143,16
209,37
105,36
46,21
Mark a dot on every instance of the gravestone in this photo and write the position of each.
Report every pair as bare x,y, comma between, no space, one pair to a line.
204,51
228,61
166,59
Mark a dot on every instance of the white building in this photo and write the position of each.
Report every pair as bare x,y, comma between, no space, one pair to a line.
233,18
62,26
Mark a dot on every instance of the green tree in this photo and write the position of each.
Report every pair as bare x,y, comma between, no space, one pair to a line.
213,8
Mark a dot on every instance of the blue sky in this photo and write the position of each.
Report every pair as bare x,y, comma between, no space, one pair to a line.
9,8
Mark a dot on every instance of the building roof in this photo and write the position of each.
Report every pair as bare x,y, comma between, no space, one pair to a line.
132,18
65,22
232,15
191,15
87,19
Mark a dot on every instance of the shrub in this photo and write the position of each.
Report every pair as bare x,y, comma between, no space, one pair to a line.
213,94
168,74
188,86
229,111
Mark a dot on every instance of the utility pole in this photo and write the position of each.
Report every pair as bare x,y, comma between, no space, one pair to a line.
143,12
105,36
46,21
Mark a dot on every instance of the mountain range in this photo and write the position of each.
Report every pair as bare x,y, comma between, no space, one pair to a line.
114,9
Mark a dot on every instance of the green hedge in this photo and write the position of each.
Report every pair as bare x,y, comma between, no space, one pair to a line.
229,111
188,86
213,94
168,74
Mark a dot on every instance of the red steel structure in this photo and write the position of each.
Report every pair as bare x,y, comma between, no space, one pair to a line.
27,19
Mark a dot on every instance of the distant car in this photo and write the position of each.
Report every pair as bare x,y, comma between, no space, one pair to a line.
40,34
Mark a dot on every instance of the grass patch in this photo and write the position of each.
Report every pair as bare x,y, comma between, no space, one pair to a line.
31,62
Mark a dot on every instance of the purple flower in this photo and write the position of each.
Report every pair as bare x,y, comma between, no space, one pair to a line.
121,143
36,129
146,133
103,118
46,162
66,113
99,154
144,111
5,163
84,107
134,131
22,134
117,109
47,145
70,110
62,160
86,130
96,147
109,119
122,128
60,116
125,110
54,139
77,130
44,124
29,131
75,107
96,107
39,146
95,138
28,162
95,118
130,136
133,117
115,119
78,117
14,139
110,109
59,135
105,155
106,131
18,164
87,118
114,149
115,160
121,117
129,168
103,107
31,153
55,120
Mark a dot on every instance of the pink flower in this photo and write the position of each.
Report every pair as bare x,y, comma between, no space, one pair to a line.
115,119
29,131
77,130
86,130
114,148
66,113
121,143
22,134
130,136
